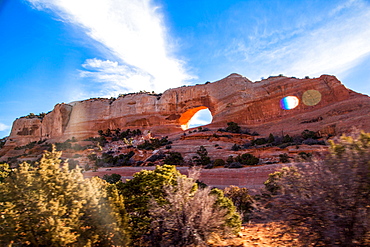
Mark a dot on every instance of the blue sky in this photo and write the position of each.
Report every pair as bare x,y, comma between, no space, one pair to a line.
54,51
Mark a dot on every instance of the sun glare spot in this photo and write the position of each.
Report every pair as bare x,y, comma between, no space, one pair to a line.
311,97
289,102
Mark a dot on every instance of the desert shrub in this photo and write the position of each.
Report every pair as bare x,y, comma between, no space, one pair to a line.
101,140
145,186
287,139
4,171
272,185
27,146
236,147
32,115
305,156
156,157
271,138
73,164
87,167
230,159
234,165
327,203
247,159
209,166
107,159
50,205
219,162
232,218
309,134
258,141
2,142
284,158
311,141
174,158
202,159
190,217
112,178
233,127
242,200
154,143
255,133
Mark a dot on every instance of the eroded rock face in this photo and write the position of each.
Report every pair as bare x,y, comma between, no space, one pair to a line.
255,105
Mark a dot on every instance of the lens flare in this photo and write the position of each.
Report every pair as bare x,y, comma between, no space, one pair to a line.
289,102
311,97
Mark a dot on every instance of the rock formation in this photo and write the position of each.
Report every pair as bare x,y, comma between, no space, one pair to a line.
324,104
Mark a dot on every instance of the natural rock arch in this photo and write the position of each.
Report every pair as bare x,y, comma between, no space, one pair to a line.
188,115
234,98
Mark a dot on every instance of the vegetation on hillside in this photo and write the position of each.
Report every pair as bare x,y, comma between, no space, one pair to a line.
162,202
327,203
33,115
49,205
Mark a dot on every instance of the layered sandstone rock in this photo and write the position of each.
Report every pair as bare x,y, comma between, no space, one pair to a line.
255,105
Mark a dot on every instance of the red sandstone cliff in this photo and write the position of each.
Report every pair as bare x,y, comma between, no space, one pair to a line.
234,98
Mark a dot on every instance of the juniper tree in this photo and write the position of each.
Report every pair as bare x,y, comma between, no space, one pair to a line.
50,205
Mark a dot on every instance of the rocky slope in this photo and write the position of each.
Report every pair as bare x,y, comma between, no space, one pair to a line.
324,105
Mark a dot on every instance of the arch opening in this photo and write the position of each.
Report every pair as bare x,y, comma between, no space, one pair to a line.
195,117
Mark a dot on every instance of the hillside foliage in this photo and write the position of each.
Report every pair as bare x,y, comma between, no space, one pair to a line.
49,205
326,202
151,194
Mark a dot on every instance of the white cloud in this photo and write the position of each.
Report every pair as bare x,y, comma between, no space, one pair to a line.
4,127
116,78
134,32
333,46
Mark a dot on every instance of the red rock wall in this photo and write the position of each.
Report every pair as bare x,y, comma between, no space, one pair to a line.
234,98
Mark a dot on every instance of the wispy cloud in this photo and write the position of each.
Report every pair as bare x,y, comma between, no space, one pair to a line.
335,46
135,34
4,127
116,78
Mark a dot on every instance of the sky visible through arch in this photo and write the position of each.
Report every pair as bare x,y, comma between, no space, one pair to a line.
54,51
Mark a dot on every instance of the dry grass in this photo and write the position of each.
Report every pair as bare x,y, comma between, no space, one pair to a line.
257,234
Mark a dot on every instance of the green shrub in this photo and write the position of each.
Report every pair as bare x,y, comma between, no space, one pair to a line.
112,178
258,141
326,203
27,146
271,138
241,199
138,192
308,134
284,158
219,162
233,127
247,159
50,205
230,159
174,158
202,159
154,143
191,216
236,147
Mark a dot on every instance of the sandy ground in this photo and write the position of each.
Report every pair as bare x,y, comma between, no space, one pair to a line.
258,234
